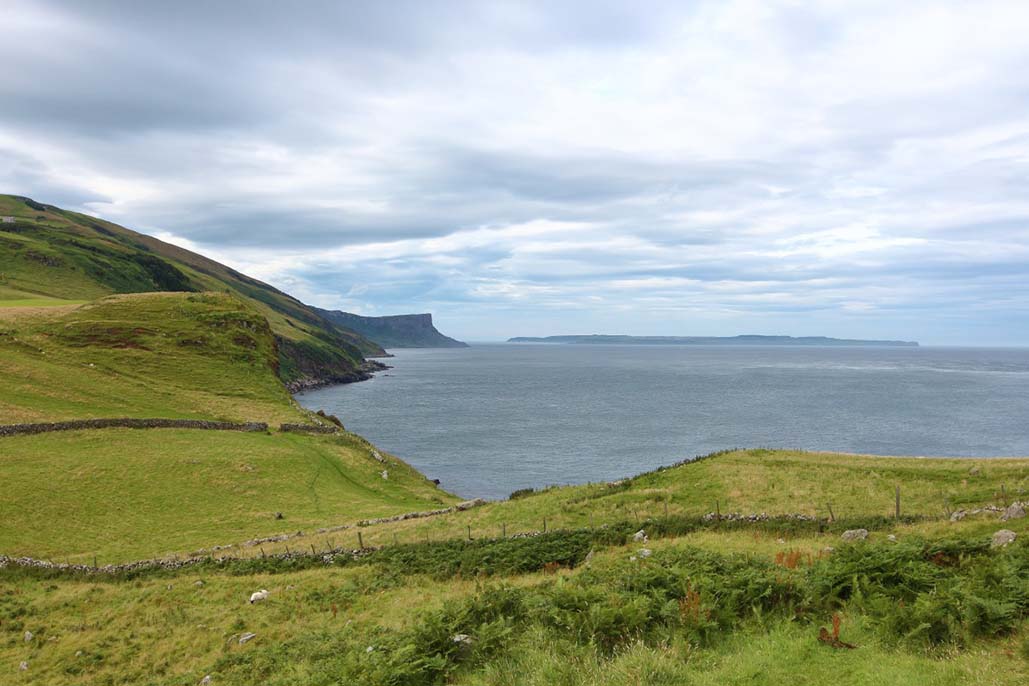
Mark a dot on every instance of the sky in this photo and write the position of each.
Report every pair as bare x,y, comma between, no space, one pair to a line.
850,169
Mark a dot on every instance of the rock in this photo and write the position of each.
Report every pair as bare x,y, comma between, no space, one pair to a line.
780,541
640,536
1014,511
369,649
462,638
278,515
589,557
385,474
1002,538
23,666
469,504
957,515
645,553
891,537
248,636
855,535
28,636
206,680
198,583
78,653
258,596
828,549
974,471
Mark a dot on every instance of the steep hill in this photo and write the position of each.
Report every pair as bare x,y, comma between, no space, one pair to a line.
48,254
395,331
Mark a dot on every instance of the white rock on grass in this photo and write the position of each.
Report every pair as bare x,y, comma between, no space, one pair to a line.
1013,511
258,596
23,666
855,535
248,636
1002,538
28,636
640,536
645,553
469,504
206,680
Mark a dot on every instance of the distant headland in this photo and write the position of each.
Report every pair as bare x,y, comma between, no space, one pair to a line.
603,339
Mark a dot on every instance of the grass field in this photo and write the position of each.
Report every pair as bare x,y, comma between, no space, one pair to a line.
743,481
125,494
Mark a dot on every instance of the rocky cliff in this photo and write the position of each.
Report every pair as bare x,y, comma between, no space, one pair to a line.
396,331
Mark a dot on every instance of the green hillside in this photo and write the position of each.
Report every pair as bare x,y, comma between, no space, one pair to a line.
48,254
127,493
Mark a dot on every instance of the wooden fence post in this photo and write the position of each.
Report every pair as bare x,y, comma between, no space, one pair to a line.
360,541
469,532
897,507
544,525
503,530
832,517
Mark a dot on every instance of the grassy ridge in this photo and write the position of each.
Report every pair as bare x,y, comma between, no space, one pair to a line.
52,254
199,355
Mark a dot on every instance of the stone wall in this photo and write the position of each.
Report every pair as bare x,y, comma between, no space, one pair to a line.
128,423
309,429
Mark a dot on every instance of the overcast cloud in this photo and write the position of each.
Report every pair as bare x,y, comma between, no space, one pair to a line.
851,169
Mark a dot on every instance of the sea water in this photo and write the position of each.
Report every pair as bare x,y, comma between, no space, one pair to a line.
493,418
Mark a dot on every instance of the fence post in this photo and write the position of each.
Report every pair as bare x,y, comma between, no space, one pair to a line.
469,532
544,525
503,530
360,541
897,508
313,551
832,517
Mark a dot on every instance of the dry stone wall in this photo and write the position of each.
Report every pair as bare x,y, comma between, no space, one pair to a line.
128,423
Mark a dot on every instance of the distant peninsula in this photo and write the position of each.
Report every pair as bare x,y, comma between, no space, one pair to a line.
602,339
395,331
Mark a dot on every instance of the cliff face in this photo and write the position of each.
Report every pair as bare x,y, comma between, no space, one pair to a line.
396,331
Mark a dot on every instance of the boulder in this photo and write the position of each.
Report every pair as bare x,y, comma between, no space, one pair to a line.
1013,511
23,666
469,504
640,536
974,471
957,515
28,636
855,535
248,636
1002,538
206,680
645,553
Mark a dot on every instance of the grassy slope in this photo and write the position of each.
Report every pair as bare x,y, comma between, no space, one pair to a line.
53,254
746,481
182,490
124,494
170,630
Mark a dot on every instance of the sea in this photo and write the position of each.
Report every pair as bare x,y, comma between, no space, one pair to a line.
493,418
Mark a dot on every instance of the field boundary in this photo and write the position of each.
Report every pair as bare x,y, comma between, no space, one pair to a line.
129,423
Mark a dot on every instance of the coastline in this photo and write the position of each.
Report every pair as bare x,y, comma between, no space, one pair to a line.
366,370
